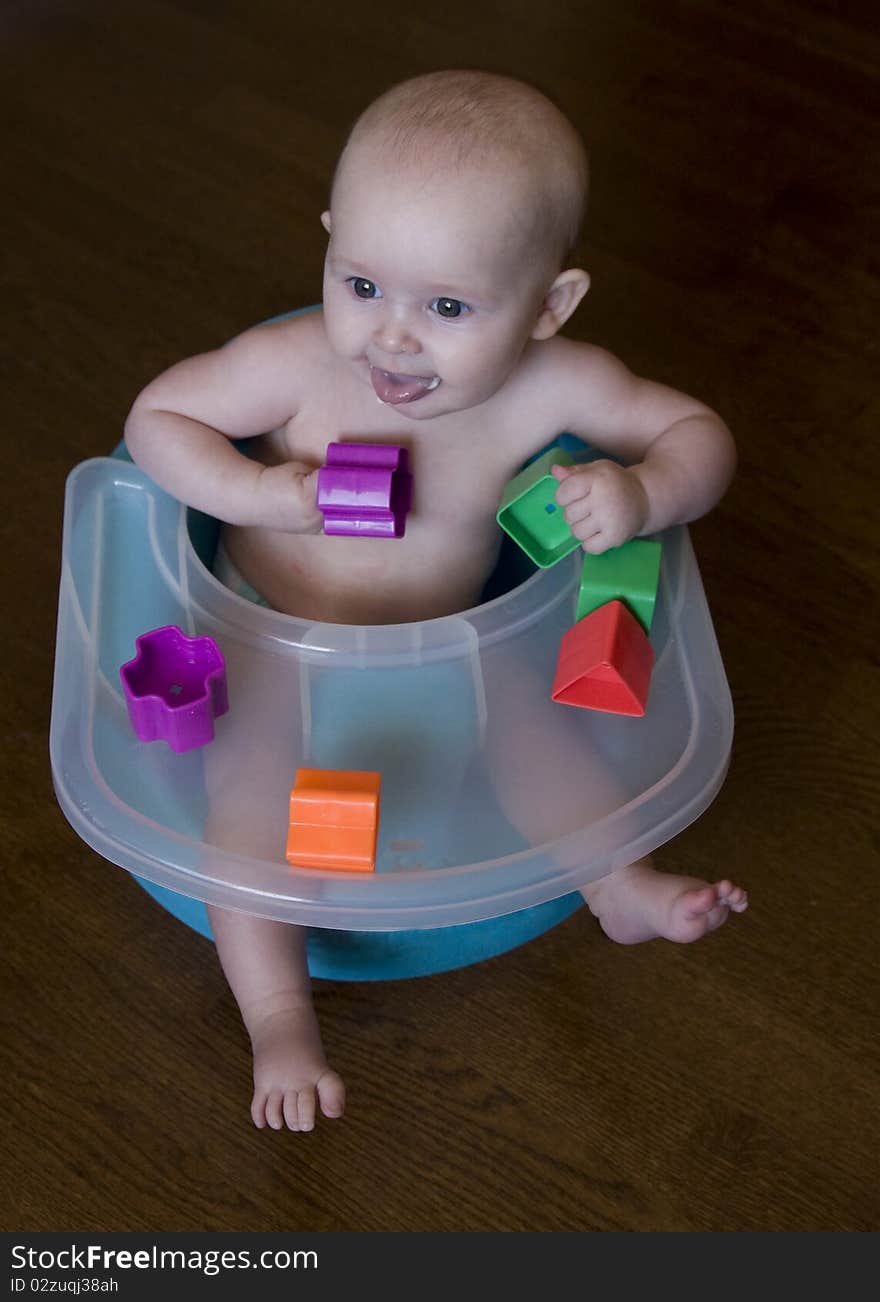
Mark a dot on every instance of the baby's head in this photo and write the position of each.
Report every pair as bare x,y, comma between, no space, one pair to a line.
455,206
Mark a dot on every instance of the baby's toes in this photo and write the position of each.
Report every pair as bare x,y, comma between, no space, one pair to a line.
299,1109
258,1109
733,896
275,1109
331,1092
696,903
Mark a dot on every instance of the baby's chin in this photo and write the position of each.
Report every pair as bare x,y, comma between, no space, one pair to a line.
424,409
442,399
434,405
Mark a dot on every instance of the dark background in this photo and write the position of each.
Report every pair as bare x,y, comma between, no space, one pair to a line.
163,169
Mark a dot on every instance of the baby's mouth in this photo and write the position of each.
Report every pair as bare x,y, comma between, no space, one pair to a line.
395,389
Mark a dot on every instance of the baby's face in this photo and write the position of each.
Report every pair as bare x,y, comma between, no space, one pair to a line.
431,290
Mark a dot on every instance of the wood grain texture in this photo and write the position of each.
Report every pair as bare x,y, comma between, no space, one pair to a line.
164,166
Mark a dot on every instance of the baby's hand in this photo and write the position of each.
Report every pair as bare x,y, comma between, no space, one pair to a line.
605,505
287,498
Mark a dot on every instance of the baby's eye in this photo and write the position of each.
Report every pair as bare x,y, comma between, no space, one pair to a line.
449,308
364,288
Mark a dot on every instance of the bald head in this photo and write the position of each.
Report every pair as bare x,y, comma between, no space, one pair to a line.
459,120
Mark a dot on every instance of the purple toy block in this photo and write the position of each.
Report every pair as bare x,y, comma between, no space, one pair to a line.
365,490
175,687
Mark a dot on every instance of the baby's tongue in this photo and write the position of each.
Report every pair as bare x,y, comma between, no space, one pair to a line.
395,389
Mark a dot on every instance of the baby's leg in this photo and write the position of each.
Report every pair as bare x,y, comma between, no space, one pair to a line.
638,903
265,965
248,774
577,787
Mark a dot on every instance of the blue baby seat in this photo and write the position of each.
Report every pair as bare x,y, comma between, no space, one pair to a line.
497,803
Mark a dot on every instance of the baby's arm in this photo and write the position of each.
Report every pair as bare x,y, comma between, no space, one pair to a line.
181,424
679,455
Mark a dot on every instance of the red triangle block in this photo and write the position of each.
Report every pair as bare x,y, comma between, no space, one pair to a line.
605,662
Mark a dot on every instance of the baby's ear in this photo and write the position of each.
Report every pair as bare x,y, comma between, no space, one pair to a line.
561,300
325,221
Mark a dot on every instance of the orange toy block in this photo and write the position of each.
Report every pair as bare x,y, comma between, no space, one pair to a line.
605,662
334,820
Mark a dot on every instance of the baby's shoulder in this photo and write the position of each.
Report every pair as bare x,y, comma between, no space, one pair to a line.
280,357
558,378
551,361
299,335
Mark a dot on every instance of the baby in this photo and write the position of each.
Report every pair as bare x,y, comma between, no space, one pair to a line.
455,207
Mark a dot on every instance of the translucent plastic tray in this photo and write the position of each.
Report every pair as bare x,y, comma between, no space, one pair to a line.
494,798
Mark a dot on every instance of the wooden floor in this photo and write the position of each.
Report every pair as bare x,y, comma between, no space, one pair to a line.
164,166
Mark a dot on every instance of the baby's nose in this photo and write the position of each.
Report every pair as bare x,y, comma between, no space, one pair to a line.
395,335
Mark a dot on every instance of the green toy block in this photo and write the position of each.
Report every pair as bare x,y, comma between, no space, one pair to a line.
629,573
528,511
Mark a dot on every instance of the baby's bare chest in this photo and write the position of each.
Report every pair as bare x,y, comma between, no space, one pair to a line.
459,470
459,464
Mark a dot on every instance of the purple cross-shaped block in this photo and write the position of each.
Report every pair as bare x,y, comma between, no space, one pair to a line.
175,687
365,490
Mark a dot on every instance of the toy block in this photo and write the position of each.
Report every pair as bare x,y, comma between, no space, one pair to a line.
529,513
629,573
605,662
334,820
365,490
175,687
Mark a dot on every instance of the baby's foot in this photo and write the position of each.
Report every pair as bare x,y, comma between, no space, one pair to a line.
289,1067
638,903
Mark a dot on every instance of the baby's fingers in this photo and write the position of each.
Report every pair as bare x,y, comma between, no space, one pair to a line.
595,543
303,482
573,485
310,486
305,479
578,515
